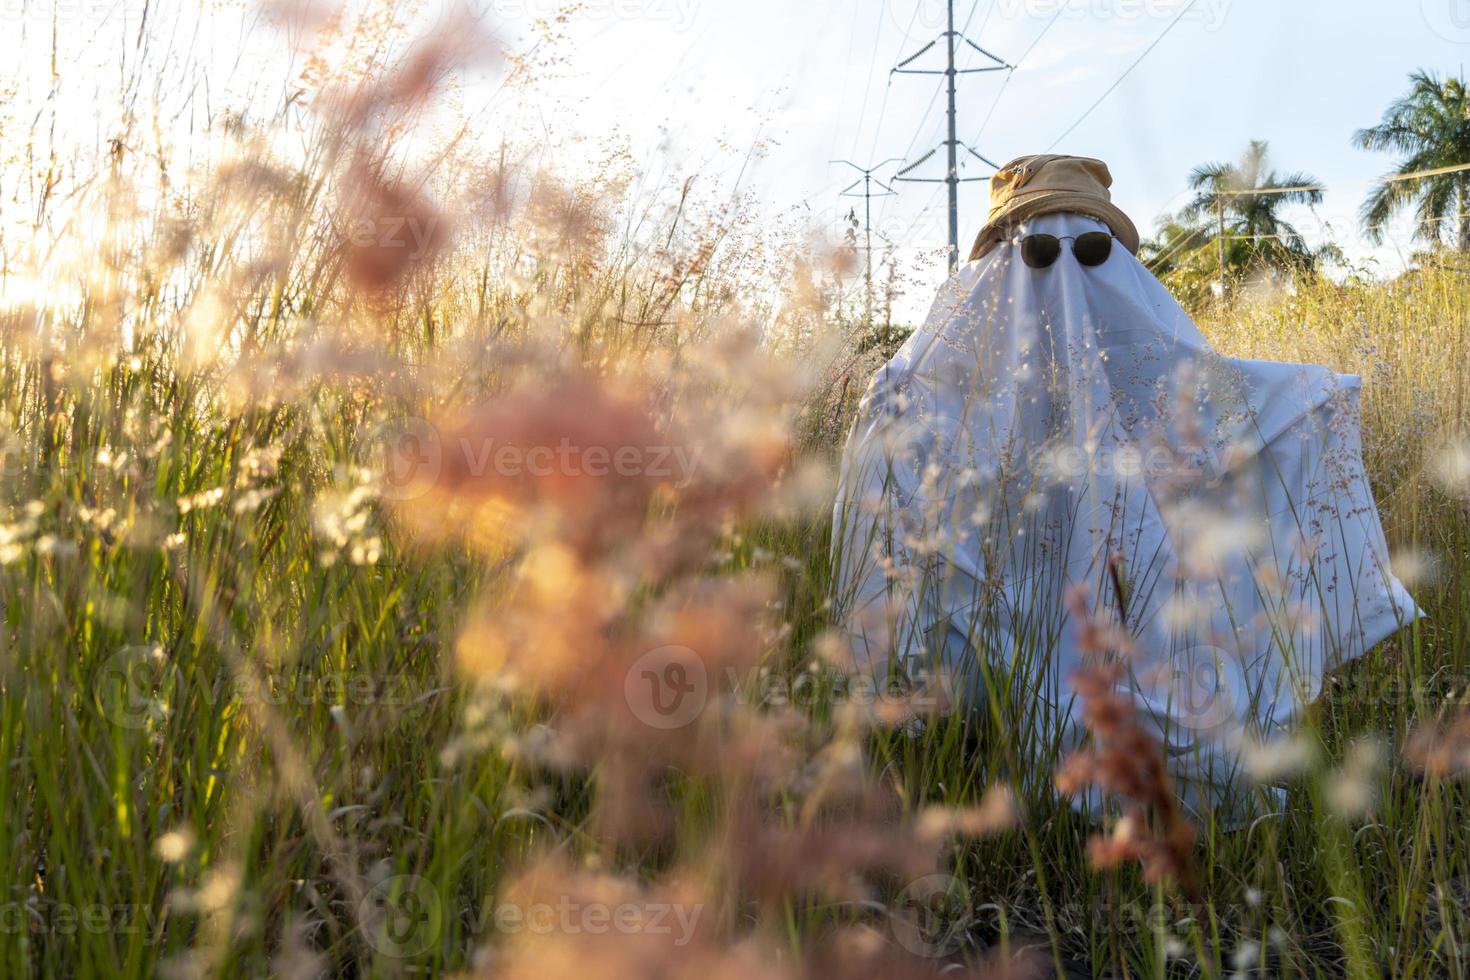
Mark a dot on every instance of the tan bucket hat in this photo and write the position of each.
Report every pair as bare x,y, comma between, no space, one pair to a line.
1051,184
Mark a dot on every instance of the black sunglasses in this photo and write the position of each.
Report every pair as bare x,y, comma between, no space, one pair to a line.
1042,251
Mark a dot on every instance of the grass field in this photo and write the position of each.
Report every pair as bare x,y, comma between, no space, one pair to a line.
279,700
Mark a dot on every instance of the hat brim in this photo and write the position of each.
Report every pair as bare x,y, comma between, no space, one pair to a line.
1055,203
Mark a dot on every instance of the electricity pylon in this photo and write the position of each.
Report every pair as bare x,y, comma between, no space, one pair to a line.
953,178
867,195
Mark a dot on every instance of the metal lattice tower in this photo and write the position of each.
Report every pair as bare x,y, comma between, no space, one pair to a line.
953,178
867,195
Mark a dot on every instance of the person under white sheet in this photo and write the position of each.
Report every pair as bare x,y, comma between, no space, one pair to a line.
1059,412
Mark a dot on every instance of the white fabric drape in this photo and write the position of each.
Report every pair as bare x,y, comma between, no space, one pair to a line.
1044,421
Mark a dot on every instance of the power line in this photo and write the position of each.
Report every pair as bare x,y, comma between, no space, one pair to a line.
1306,188
1012,73
1436,172
1261,238
1303,188
1137,61
950,36
867,195
1267,191
1439,171
970,17
989,13
868,89
908,150
996,102
1160,260
913,141
922,213
878,132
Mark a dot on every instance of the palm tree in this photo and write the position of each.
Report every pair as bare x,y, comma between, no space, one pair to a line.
1184,257
1431,127
1243,202
1178,243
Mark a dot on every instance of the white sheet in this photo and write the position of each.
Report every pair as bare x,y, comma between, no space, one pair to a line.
1043,420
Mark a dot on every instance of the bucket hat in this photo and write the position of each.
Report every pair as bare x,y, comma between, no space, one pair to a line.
1050,184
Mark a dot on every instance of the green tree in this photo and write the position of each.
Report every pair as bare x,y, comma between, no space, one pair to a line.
1178,244
1183,255
1247,198
1430,127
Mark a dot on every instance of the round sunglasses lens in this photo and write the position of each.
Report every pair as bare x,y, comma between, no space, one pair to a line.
1093,248
1040,251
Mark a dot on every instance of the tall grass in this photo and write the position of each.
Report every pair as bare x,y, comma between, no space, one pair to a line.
272,707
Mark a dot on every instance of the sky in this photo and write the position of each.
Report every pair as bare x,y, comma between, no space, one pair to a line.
692,84
814,75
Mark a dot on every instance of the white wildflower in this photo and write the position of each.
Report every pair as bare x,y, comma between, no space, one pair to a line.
202,500
174,846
